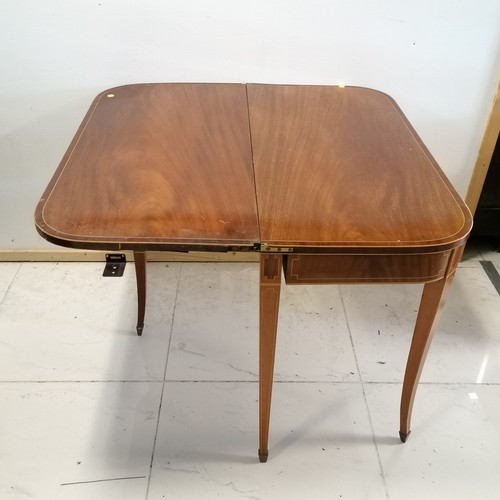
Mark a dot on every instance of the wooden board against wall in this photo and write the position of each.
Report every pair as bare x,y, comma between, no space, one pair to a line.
62,255
485,153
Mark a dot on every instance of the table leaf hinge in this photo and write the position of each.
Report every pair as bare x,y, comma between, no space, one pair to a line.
264,247
115,265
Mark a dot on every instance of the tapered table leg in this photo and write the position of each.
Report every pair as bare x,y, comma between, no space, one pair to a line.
140,274
270,283
433,299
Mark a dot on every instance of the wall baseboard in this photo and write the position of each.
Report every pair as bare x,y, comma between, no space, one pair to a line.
98,256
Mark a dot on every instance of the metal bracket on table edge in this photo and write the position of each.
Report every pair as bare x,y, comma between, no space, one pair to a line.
264,247
115,264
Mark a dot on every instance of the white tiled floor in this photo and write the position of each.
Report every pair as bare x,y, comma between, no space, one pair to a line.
89,410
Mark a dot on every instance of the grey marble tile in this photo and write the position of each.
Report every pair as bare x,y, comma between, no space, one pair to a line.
64,321
465,347
321,443
77,440
452,451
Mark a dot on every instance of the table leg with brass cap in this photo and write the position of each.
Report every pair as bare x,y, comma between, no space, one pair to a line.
431,304
270,285
140,275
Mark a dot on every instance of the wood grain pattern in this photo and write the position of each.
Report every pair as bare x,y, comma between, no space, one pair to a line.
431,304
270,288
359,268
141,277
342,167
156,164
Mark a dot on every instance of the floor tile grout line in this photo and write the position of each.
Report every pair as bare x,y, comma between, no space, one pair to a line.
172,320
379,460
127,478
80,381
236,381
154,441
11,282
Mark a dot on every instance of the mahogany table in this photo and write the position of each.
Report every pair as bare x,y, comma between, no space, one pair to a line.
330,184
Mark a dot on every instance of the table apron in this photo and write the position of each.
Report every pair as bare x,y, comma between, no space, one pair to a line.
365,268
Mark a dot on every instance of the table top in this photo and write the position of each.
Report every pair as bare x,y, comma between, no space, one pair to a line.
235,167
156,164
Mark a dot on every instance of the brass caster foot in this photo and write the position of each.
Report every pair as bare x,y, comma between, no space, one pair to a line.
139,329
403,437
263,457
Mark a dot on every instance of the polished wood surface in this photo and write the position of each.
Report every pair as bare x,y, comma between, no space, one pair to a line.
351,172
365,268
153,165
140,274
332,184
431,304
270,288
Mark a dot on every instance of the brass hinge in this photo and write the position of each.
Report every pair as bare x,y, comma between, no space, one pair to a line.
264,247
